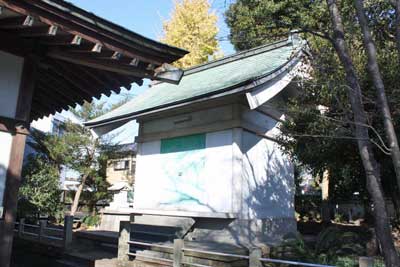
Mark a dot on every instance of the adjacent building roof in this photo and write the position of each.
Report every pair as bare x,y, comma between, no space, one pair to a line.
79,55
226,75
130,148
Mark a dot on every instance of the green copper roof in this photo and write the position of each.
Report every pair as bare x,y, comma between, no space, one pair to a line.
210,78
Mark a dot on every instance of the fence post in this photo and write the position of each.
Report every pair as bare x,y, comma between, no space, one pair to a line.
123,246
178,253
21,227
42,225
254,257
68,224
366,262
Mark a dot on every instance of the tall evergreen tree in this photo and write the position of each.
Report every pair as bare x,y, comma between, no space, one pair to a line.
192,26
351,127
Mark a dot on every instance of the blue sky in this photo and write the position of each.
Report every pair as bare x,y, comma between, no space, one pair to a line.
145,17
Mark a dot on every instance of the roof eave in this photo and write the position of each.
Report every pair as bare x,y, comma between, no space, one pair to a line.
241,88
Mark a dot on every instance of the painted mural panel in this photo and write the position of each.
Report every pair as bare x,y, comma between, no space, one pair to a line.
186,174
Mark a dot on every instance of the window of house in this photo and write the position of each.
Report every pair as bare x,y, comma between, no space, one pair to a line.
121,165
133,167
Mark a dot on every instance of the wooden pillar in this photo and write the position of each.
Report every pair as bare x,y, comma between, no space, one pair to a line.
13,178
21,227
178,253
255,255
42,226
68,224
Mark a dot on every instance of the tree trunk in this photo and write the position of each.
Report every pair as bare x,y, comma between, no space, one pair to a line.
396,4
77,196
372,172
375,73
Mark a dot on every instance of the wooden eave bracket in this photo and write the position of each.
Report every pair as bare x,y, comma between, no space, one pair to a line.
12,126
75,26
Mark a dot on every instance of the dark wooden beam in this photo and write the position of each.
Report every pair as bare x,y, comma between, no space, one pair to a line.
16,22
70,23
106,65
61,39
62,86
75,77
56,91
51,95
96,76
36,31
124,81
13,126
64,83
15,45
45,108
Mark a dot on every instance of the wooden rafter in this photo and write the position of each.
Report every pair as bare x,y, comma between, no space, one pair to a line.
80,56
74,77
100,64
36,31
16,22
76,26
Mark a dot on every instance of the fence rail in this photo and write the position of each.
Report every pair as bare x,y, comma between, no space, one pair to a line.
42,233
255,258
255,255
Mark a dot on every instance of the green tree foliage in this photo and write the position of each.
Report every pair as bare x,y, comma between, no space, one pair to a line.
193,27
323,139
40,191
333,246
75,149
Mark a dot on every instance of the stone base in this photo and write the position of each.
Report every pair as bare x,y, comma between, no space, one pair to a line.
110,220
244,232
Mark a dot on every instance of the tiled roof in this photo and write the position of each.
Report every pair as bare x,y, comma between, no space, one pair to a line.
214,77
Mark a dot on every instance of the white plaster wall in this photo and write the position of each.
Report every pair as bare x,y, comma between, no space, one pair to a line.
188,120
163,181
5,141
268,179
10,75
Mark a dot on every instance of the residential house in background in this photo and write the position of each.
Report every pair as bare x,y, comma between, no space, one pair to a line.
52,124
121,176
121,168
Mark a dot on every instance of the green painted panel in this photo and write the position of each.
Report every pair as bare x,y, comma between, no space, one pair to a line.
183,143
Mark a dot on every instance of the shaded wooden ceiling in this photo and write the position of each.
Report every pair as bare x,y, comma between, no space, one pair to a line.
79,55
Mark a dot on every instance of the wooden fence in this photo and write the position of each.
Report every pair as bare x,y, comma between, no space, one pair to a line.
127,250
41,233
